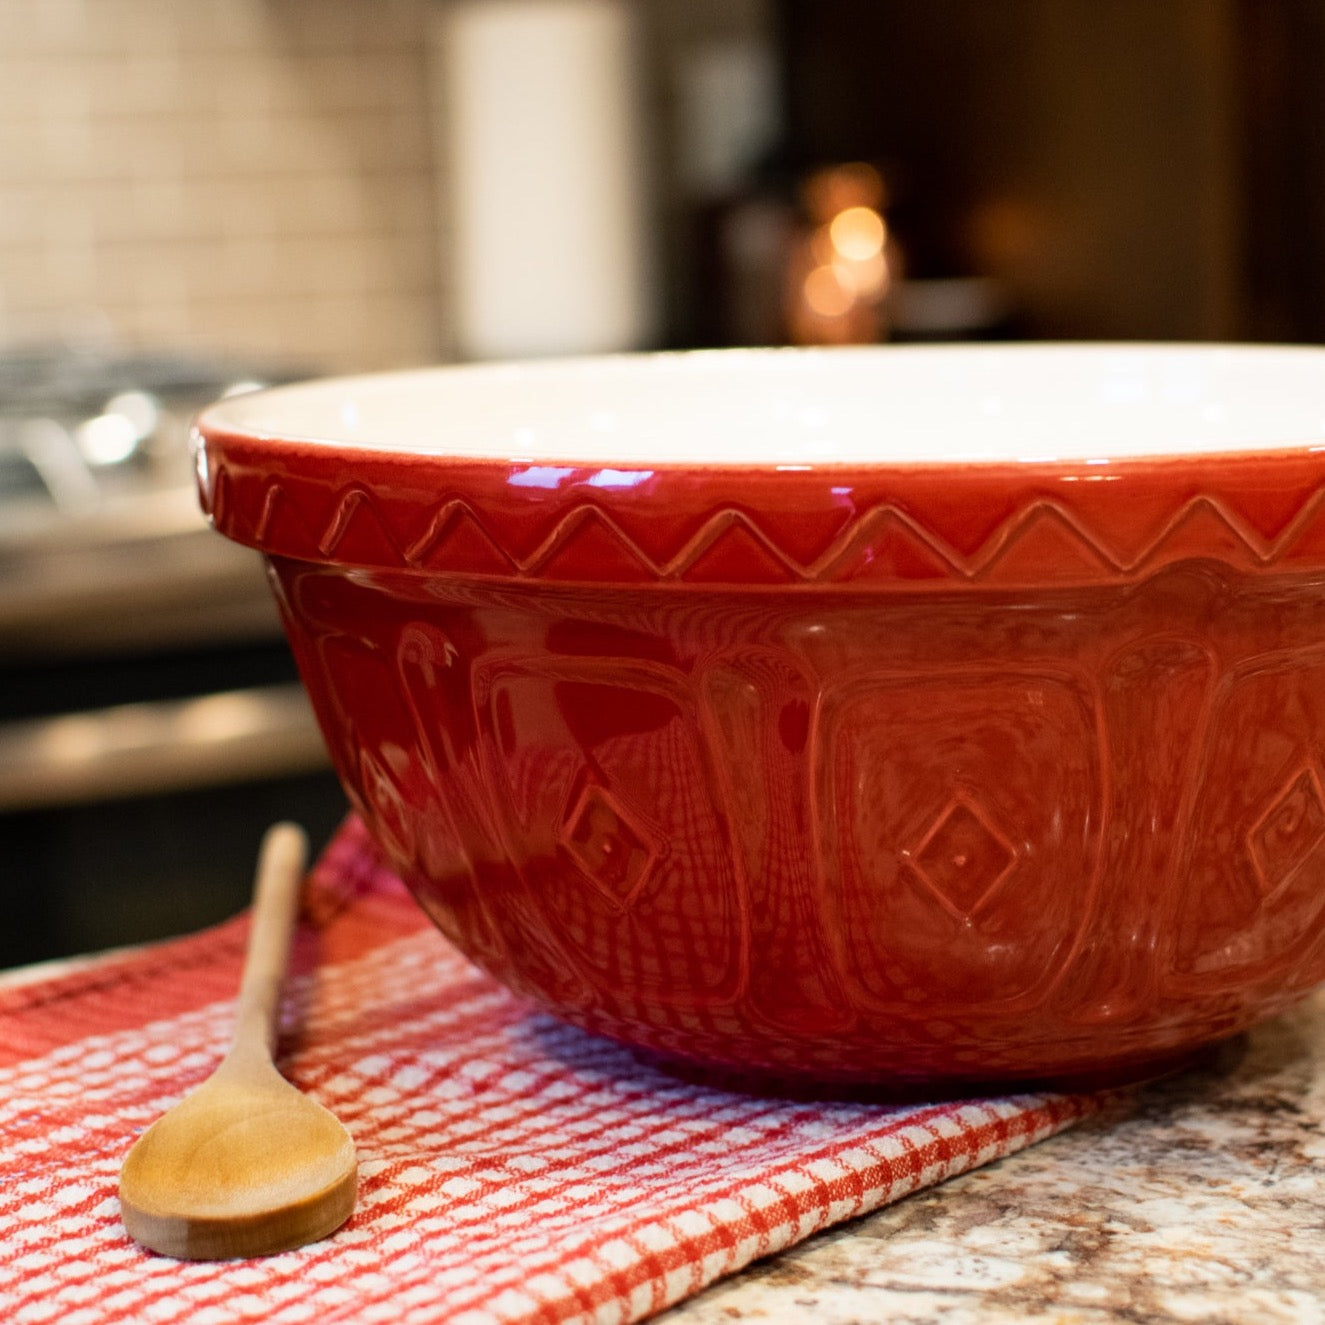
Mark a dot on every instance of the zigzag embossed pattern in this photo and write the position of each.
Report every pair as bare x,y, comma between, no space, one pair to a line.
913,529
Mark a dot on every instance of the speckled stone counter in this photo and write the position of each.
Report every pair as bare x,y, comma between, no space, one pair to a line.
1201,1198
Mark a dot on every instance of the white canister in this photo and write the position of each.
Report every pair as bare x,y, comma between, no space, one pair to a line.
543,174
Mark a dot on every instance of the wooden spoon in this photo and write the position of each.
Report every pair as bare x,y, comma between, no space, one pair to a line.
246,1165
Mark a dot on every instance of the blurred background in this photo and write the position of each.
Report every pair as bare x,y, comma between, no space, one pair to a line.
198,198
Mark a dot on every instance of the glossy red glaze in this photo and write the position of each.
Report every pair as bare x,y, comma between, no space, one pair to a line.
913,774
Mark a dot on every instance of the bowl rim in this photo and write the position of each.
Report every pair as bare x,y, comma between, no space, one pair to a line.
911,526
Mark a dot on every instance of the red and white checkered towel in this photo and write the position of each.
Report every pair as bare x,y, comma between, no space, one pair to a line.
512,1168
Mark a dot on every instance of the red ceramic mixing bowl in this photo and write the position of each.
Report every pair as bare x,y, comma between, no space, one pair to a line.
904,715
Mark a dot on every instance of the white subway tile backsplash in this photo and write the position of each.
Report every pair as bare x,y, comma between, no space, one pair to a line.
248,176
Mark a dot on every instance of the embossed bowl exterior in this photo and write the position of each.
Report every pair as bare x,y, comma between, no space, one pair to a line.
916,769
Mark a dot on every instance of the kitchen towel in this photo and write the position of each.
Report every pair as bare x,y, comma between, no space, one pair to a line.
512,1168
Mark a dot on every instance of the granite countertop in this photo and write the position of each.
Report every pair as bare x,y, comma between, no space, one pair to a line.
1200,1198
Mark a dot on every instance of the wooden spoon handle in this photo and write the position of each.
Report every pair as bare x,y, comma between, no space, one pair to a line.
280,877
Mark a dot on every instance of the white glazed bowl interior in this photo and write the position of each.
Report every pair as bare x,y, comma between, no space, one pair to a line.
794,407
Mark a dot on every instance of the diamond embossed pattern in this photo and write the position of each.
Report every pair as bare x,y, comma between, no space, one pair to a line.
1288,834
964,859
856,837
607,846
